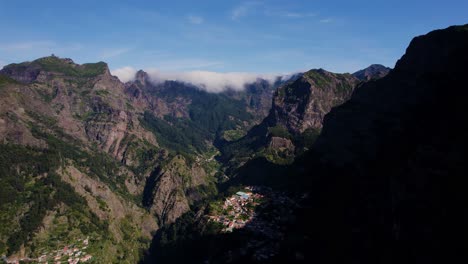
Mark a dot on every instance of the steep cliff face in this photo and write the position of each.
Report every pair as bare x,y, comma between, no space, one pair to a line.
167,195
296,116
303,103
143,91
392,174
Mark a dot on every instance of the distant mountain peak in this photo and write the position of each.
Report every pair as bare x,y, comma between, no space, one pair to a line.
142,77
28,72
374,71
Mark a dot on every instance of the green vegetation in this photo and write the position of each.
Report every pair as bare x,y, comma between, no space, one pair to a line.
32,191
144,155
307,138
45,120
283,156
179,138
102,92
246,147
209,115
278,156
31,188
96,164
215,207
66,148
320,78
4,80
279,131
217,113
55,64
233,135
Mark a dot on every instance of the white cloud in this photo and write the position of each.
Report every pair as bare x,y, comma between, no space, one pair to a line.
207,80
196,20
326,20
125,74
243,10
113,52
211,81
282,14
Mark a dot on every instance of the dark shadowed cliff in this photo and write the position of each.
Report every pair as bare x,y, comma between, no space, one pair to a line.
387,176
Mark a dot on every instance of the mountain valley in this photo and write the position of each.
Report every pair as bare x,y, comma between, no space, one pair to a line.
337,167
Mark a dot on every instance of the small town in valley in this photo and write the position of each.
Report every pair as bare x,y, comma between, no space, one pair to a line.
238,210
71,254
259,211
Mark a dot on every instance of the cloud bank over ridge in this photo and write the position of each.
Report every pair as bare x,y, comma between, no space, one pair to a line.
206,80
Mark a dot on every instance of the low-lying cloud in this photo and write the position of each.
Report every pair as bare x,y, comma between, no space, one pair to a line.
125,74
210,81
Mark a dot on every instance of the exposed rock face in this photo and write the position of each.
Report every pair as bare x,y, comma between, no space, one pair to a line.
167,199
22,73
375,71
296,115
116,208
279,142
146,93
393,173
303,103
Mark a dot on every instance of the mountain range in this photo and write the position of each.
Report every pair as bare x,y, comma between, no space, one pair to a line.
372,160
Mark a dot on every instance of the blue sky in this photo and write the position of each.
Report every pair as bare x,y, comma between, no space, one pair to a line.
221,35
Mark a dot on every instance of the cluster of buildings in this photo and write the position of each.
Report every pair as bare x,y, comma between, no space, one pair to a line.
238,210
267,212
72,254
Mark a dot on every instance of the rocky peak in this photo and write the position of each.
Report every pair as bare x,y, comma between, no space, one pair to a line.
374,71
438,51
303,103
142,77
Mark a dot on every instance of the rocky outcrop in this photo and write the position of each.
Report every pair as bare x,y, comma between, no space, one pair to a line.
107,205
166,196
279,142
21,72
